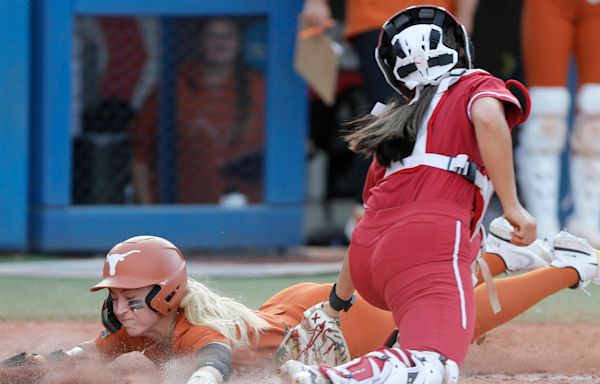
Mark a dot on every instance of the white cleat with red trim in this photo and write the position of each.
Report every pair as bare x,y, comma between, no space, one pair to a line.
384,366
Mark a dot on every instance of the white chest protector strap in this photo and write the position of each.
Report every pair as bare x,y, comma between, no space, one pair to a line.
460,165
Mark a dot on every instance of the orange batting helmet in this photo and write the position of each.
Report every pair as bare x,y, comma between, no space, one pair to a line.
144,261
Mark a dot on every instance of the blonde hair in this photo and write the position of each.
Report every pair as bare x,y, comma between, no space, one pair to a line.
232,319
391,135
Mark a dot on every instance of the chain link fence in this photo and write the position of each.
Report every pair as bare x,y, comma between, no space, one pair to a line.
168,110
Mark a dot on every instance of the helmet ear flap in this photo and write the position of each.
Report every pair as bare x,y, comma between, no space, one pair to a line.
151,295
109,319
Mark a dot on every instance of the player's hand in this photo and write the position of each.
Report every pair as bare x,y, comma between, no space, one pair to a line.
525,225
23,359
316,13
24,367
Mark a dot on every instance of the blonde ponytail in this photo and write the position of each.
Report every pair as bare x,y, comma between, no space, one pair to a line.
234,320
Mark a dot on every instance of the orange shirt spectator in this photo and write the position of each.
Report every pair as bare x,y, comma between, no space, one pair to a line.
219,133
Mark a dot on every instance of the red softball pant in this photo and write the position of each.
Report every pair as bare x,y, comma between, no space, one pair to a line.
415,261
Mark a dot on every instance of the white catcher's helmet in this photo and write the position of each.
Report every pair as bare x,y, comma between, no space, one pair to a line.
419,45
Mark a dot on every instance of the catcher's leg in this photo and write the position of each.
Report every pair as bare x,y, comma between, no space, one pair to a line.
585,166
543,138
386,365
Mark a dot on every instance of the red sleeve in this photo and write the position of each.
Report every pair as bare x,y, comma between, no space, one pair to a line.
490,86
375,174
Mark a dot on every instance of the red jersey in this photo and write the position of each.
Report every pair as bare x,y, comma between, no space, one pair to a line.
450,132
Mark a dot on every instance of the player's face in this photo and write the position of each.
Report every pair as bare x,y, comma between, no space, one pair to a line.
129,305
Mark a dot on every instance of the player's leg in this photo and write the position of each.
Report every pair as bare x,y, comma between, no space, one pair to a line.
585,140
547,34
574,263
501,256
430,295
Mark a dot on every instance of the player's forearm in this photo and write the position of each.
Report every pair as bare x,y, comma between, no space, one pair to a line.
344,288
206,375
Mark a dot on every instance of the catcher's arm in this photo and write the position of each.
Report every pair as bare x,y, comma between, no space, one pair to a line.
342,293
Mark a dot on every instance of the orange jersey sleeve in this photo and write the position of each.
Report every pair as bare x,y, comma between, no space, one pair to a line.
189,338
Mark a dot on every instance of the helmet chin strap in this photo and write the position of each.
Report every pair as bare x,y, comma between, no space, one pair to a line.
418,90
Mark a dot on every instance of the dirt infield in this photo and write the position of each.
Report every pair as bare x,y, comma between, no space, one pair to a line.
517,353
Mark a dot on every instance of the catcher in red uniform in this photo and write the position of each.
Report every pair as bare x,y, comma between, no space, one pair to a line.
436,151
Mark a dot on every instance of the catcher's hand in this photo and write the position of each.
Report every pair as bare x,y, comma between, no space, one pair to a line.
317,340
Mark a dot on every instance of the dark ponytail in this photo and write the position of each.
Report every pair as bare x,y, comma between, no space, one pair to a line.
391,135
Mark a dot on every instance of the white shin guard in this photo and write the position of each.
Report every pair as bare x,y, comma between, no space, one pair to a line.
585,166
542,140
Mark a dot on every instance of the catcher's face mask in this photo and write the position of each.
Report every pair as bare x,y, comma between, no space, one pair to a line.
419,45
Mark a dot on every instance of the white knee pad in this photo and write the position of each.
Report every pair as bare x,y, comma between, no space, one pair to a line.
584,165
546,129
586,132
542,140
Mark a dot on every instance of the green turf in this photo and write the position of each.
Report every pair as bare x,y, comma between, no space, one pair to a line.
70,299
65,300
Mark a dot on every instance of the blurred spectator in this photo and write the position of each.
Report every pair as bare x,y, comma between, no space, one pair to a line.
219,124
114,61
553,31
